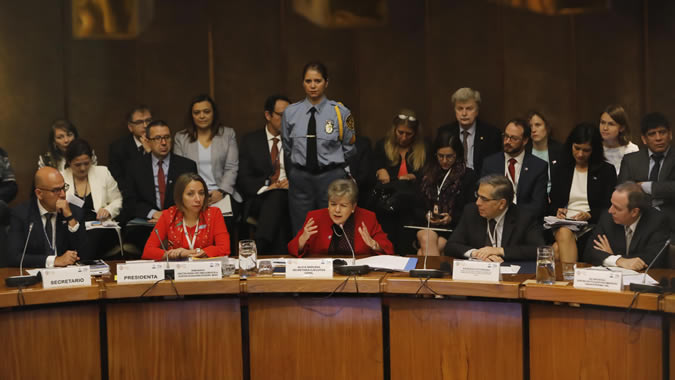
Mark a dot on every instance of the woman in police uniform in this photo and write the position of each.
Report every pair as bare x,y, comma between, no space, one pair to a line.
318,137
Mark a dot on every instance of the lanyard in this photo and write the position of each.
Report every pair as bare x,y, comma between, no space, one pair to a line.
438,191
191,243
492,235
51,239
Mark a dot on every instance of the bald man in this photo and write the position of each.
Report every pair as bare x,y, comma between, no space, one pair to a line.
58,236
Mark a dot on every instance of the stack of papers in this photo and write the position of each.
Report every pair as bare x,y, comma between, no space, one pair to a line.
94,224
388,262
574,225
630,276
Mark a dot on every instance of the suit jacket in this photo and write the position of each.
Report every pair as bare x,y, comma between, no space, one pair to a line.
104,191
599,188
38,247
555,150
318,244
635,167
531,191
140,184
649,237
520,236
121,152
224,157
255,163
488,140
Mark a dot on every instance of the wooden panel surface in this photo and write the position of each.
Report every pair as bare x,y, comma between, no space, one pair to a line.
314,338
672,348
186,339
534,291
369,283
230,285
51,343
435,339
400,283
35,294
593,344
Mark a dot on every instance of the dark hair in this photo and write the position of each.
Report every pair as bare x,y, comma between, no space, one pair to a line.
316,66
652,121
271,102
522,124
191,129
547,125
447,139
619,115
77,148
155,123
503,188
637,198
64,125
138,108
585,133
179,188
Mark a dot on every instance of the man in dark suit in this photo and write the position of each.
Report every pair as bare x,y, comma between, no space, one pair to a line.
479,139
150,179
631,234
131,146
262,179
653,167
527,173
58,236
495,229
8,186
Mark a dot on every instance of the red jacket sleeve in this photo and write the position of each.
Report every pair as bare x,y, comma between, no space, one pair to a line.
375,231
221,237
153,249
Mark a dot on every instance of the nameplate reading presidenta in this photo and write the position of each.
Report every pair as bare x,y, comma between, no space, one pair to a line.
140,272
196,270
66,277
309,268
470,270
598,279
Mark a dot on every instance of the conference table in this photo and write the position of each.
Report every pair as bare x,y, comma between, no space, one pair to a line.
380,325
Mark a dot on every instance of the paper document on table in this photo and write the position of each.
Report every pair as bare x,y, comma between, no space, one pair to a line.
509,269
574,225
624,271
638,278
389,262
94,224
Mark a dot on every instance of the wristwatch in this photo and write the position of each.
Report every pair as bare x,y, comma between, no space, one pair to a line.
199,251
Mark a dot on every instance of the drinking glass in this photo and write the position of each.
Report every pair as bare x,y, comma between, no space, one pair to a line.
545,265
247,257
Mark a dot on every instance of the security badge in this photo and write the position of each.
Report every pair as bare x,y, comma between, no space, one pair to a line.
329,126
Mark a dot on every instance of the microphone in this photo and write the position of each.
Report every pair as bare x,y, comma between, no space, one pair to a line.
22,280
351,270
168,273
426,273
645,288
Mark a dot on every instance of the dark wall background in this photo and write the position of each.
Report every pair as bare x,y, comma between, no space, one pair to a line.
569,67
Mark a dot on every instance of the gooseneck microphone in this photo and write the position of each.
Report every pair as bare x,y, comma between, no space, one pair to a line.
22,280
169,274
426,273
645,288
351,270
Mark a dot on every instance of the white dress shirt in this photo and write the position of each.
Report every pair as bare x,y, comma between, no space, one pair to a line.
518,166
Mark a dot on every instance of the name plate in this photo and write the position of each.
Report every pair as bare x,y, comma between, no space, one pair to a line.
66,277
598,279
140,272
309,268
197,270
470,270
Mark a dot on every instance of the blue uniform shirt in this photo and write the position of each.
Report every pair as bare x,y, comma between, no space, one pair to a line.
330,149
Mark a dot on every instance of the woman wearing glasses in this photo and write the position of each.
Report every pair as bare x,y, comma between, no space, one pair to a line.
447,185
61,134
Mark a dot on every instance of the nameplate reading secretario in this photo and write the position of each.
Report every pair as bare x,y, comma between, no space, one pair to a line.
469,270
66,277
598,279
140,272
309,268
197,270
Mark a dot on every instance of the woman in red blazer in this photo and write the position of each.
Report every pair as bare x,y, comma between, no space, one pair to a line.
191,228
341,227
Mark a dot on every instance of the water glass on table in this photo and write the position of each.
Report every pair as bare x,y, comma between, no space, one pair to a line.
247,257
545,265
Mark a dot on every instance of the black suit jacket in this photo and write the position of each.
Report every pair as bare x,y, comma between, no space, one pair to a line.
521,235
599,188
488,140
121,152
140,184
531,192
255,163
555,150
38,246
635,167
649,237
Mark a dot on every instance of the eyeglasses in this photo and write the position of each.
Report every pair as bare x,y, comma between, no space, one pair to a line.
512,138
447,157
57,190
406,117
482,198
142,121
280,114
161,138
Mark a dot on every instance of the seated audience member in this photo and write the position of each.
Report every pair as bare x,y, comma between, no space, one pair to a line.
542,145
653,167
150,179
190,228
582,186
341,227
615,134
447,185
511,233
132,146
8,187
262,179
399,159
479,139
631,234
61,134
527,173
58,236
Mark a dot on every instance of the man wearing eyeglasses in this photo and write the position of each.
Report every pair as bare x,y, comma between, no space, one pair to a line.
131,146
527,173
57,237
495,229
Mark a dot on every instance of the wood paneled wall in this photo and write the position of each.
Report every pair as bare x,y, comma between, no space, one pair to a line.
569,67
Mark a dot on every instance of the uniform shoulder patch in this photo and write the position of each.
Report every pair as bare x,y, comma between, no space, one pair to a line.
350,122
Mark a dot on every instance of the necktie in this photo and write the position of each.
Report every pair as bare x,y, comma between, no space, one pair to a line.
654,174
492,233
48,229
465,136
161,183
629,238
141,150
274,155
312,158
512,170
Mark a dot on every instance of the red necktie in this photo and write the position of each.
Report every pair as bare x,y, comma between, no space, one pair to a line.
161,183
512,170
274,155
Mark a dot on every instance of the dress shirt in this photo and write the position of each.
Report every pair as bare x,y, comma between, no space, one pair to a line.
611,260
49,262
499,228
469,143
282,170
155,170
518,166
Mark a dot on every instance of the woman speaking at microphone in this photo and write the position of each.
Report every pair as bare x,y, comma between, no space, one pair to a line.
190,228
341,227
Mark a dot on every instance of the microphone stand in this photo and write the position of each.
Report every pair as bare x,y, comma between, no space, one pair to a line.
351,270
22,280
645,288
426,273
